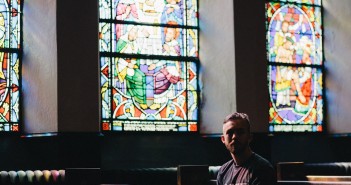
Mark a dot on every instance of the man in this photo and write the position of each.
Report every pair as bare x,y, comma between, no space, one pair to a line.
246,167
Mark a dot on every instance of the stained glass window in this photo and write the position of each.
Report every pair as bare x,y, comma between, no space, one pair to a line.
295,65
10,62
149,65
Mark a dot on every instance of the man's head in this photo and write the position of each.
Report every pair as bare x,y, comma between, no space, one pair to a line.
288,43
236,133
133,33
285,26
170,32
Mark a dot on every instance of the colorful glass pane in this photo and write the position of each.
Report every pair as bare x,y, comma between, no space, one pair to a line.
192,76
192,13
5,86
149,90
14,87
294,91
15,28
309,2
294,34
105,9
192,102
149,84
192,43
10,49
4,25
295,70
149,40
149,61
105,87
181,12
10,24
105,37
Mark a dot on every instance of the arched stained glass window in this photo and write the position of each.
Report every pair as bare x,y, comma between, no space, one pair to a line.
10,64
149,65
295,65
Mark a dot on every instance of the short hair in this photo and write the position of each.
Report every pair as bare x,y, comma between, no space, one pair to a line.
177,30
237,116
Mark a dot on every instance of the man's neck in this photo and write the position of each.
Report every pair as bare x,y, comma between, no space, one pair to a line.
241,158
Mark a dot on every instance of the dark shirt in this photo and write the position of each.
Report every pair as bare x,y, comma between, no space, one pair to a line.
255,171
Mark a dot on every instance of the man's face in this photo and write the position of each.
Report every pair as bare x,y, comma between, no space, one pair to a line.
236,136
285,27
287,45
170,35
133,33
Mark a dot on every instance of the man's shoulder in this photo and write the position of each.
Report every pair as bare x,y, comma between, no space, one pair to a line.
226,166
263,171
224,171
228,163
261,162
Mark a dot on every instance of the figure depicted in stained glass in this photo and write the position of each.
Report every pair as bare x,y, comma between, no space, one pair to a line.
282,34
151,7
173,11
285,51
148,85
305,78
128,42
169,74
285,28
126,11
144,81
128,69
293,82
159,77
288,77
171,45
285,74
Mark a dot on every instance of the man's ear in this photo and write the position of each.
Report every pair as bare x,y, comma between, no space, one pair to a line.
222,139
